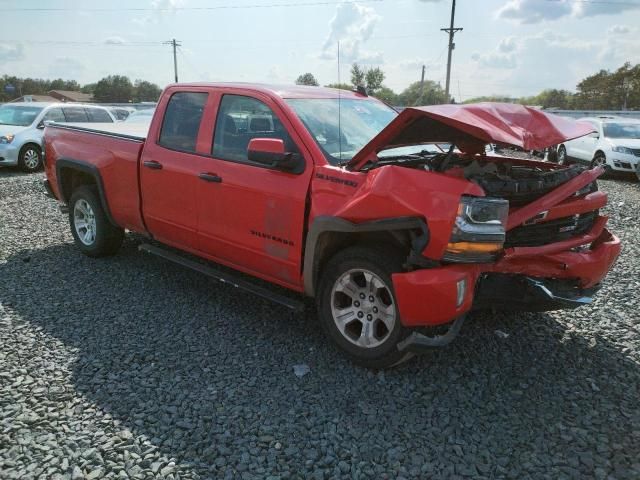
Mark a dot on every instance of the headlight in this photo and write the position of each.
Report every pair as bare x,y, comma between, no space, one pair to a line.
479,232
7,138
626,150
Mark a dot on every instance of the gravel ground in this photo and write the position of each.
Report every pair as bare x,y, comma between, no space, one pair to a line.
129,367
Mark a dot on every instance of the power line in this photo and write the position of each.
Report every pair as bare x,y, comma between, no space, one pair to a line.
172,9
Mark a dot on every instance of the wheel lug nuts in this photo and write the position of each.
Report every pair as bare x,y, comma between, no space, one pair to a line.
360,314
369,317
375,309
371,298
362,295
356,303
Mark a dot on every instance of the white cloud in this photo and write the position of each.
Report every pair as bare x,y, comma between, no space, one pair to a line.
619,30
67,68
352,26
114,41
504,56
9,53
535,11
159,9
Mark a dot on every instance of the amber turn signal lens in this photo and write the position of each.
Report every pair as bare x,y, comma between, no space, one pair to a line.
472,247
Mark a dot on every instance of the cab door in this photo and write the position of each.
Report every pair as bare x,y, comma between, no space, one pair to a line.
171,162
250,216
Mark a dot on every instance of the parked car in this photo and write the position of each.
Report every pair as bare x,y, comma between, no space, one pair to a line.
121,113
613,144
140,116
386,240
22,127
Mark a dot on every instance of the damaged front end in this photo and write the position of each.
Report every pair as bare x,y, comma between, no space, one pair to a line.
530,237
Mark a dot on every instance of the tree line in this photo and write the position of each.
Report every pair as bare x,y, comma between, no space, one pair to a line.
110,89
429,93
605,90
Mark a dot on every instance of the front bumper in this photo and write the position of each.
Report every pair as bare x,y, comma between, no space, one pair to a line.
431,297
622,162
9,154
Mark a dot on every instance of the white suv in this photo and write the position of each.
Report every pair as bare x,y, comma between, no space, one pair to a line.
22,127
615,145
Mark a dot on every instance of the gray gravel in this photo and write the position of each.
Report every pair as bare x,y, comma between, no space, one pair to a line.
128,367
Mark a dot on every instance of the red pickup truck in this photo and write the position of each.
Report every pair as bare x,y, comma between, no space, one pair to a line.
392,222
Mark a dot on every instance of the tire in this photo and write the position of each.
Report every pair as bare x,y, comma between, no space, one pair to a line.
599,159
343,286
552,155
94,235
561,156
30,158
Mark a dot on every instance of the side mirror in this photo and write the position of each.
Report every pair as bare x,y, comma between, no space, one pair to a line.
40,126
270,152
595,135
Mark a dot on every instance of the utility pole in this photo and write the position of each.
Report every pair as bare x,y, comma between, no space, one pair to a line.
175,43
451,31
419,101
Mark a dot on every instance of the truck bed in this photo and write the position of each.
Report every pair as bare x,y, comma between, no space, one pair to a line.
132,131
109,150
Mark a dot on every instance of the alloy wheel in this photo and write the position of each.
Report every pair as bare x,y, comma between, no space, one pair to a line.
31,158
84,222
363,308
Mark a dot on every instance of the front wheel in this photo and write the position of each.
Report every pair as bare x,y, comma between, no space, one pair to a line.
30,158
91,229
599,160
358,309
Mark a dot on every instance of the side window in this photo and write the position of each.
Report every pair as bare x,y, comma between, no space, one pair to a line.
54,115
239,120
75,114
98,115
182,121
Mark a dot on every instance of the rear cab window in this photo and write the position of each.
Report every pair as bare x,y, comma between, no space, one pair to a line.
181,122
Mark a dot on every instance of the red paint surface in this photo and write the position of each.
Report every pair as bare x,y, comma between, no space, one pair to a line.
256,220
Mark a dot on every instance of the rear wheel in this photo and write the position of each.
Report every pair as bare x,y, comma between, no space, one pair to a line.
358,309
30,158
91,229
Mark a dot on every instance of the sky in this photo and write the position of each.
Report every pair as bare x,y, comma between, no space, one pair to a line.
507,47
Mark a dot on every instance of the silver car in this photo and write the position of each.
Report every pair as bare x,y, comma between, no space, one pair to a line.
22,127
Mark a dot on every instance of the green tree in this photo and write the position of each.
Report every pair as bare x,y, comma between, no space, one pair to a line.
357,76
88,88
432,94
341,86
146,91
374,78
114,88
307,79
387,95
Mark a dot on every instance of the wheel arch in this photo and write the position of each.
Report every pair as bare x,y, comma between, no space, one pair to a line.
72,173
327,235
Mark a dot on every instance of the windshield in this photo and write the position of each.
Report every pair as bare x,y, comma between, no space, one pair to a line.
622,130
360,121
22,116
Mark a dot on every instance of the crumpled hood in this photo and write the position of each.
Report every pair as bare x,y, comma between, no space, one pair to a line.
11,129
471,127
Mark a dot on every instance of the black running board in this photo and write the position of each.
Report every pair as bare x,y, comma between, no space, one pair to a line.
228,278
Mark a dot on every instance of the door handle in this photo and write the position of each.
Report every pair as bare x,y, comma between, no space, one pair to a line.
152,164
210,177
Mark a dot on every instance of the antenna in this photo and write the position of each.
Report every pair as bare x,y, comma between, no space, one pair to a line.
339,107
